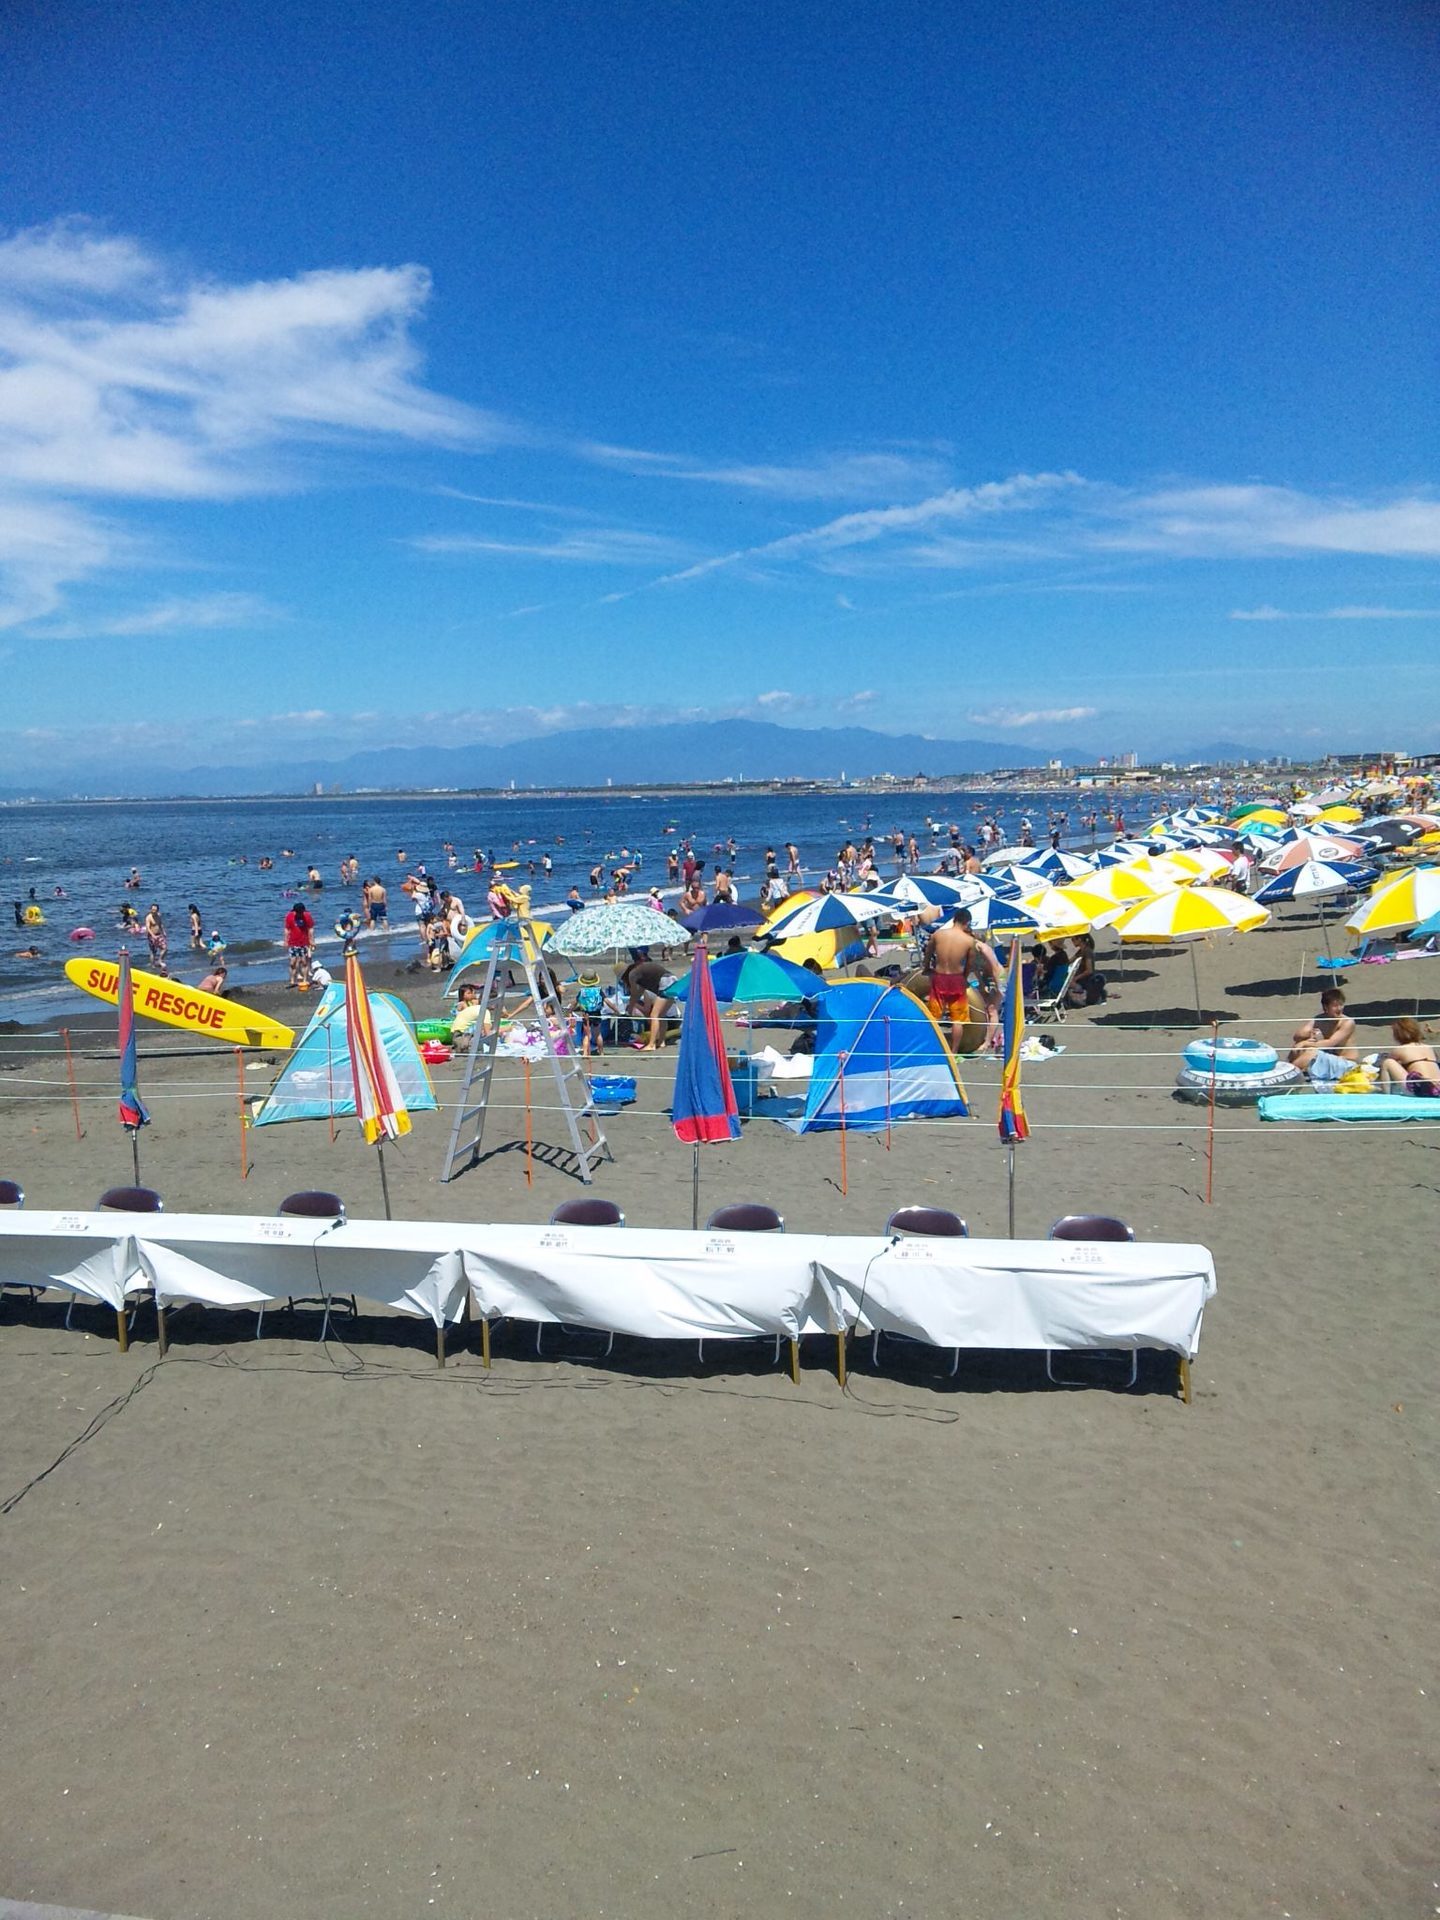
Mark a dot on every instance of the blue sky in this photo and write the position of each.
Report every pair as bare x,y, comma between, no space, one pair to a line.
1057,373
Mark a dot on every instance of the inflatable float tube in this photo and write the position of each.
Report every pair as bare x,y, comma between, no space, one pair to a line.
82,933
1231,1056
1350,1106
1236,1089
34,917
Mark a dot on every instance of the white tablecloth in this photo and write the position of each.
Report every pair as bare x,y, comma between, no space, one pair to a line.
655,1283
1039,1294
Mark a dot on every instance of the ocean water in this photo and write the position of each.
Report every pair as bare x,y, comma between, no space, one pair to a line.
208,852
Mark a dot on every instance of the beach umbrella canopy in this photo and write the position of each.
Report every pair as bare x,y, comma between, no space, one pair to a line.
1394,830
751,977
1313,880
1261,812
481,939
1120,851
1343,816
997,915
721,916
1065,911
607,929
1306,847
703,1108
1398,905
1014,856
931,890
1058,866
1122,886
1189,913
829,913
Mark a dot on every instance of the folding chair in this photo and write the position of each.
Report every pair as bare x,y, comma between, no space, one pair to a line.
1052,1006
927,1223
745,1216
588,1212
1090,1226
12,1195
313,1203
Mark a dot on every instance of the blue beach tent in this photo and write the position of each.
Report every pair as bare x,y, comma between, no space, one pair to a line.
897,1064
316,1080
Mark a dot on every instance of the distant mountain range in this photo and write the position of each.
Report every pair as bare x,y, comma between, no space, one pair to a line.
673,754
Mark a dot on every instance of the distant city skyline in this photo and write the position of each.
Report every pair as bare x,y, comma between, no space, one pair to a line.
1039,377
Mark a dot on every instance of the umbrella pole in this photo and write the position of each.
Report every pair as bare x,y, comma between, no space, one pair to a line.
384,1183
1010,1178
1195,976
695,1189
134,1133
1325,931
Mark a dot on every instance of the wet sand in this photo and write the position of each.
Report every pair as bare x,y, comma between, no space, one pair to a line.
322,1631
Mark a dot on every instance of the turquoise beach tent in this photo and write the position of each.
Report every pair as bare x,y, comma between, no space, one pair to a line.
316,1080
897,1064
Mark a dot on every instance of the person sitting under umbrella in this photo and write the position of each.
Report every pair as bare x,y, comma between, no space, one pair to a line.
645,980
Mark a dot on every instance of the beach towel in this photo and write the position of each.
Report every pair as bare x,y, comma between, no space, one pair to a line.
1346,1106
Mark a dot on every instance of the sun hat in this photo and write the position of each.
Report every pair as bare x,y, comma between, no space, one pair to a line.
589,980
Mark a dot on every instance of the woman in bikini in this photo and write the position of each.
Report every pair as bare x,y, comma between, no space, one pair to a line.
1410,1065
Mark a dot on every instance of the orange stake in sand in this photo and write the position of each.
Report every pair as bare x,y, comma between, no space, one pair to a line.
74,1095
244,1122
529,1133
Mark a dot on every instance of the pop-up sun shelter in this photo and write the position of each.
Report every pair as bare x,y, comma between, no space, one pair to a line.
879,1058
316,1082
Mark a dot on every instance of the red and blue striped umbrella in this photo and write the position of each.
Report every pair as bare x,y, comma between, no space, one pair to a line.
703,1108
132,1112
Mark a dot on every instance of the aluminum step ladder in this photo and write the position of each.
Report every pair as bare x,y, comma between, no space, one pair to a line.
516,945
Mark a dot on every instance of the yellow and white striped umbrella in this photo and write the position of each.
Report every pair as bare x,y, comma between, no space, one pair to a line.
1397,905
1189,914
1064,912
1123,886
1164,870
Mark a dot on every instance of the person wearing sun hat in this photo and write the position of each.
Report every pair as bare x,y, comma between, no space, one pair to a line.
589,1004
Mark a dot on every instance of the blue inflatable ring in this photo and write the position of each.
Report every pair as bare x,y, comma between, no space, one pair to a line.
1230,1056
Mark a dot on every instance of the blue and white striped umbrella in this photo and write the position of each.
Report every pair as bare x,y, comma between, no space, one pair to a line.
1059,867
1314,880
830,913
928,890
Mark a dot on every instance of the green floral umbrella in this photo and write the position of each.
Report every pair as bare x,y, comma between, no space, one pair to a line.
607,929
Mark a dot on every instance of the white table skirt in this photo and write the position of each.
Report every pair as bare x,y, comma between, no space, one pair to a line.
654,1283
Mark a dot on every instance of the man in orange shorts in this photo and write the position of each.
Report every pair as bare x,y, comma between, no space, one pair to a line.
950,955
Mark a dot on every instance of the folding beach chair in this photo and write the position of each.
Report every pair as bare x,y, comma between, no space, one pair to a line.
1052,1006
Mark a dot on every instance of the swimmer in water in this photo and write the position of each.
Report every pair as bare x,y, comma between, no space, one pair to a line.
27,953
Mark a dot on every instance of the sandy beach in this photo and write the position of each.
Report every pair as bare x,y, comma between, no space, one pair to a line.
324,1631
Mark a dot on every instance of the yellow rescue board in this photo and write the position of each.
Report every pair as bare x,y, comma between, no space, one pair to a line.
176,1005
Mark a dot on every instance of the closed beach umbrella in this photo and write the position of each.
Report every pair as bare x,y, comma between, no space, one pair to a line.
703,1108
1187,915
606,929
1398,905
379,1104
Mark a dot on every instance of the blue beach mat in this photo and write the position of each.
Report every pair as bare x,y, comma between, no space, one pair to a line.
1347,1106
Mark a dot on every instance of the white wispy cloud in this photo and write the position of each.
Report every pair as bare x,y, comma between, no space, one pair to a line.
194,613
842,475
1336,613
1030,521
602,546
1031,717
124,377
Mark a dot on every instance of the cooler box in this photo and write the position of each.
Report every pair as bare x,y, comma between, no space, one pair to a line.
745,1078
611,1091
